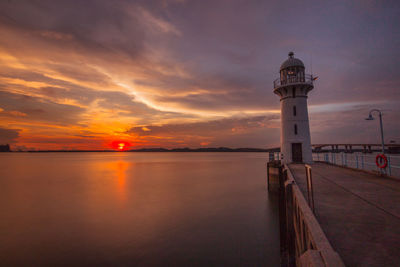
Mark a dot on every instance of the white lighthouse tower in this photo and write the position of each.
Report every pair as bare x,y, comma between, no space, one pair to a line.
292,87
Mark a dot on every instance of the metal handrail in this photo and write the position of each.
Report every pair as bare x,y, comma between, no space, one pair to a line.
360,161
307,78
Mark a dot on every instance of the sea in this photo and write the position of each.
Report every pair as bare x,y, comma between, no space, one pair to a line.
137,209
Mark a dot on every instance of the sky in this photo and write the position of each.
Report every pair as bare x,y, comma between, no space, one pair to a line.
192,73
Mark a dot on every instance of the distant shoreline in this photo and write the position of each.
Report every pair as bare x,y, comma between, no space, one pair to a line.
211,149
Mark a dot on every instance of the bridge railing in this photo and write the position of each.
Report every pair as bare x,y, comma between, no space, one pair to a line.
360,161
311,247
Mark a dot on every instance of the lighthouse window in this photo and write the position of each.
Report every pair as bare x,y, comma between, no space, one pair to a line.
294,111
295,129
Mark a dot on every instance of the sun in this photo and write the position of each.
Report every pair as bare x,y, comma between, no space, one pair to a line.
120,145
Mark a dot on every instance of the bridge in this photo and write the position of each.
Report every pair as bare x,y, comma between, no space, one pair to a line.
349,148
353,220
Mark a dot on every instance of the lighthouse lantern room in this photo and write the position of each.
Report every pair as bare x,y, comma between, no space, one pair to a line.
292,87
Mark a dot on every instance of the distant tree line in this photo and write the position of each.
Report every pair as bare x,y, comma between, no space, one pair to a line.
5,148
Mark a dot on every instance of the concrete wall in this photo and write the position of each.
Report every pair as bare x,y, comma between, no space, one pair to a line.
303,243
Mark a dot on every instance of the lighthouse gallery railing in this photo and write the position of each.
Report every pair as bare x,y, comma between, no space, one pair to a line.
307,78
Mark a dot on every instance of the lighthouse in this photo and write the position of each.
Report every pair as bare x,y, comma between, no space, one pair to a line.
292,87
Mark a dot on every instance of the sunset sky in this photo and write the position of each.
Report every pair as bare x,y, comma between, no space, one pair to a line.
192,73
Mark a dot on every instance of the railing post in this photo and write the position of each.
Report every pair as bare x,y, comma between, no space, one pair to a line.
389,167
362,161
282,211
310,190
356,160
268,176
290,234
286,210
342,156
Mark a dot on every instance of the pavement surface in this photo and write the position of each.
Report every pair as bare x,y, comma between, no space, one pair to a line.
359,213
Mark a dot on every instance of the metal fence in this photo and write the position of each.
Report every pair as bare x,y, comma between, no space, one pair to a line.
361,161
357,160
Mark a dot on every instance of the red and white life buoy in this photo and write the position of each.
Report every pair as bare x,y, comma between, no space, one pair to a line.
381,161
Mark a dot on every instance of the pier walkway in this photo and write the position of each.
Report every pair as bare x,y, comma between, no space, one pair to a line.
359,213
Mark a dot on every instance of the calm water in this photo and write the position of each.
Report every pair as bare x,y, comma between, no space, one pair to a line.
141,209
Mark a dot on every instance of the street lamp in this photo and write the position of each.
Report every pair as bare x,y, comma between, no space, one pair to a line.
370,118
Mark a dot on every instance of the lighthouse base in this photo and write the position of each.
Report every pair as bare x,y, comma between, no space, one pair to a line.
296,152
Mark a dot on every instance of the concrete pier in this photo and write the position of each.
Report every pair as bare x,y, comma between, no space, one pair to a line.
358,212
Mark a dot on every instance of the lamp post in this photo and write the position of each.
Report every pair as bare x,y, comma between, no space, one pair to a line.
370,118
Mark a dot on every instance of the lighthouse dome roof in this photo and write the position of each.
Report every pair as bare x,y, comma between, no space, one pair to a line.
292,62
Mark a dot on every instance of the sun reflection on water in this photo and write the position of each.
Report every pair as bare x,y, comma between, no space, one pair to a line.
119,170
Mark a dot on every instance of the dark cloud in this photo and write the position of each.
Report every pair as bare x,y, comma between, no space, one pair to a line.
8,136
252,131
35,109
196,128
348,125
101,26
229,101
